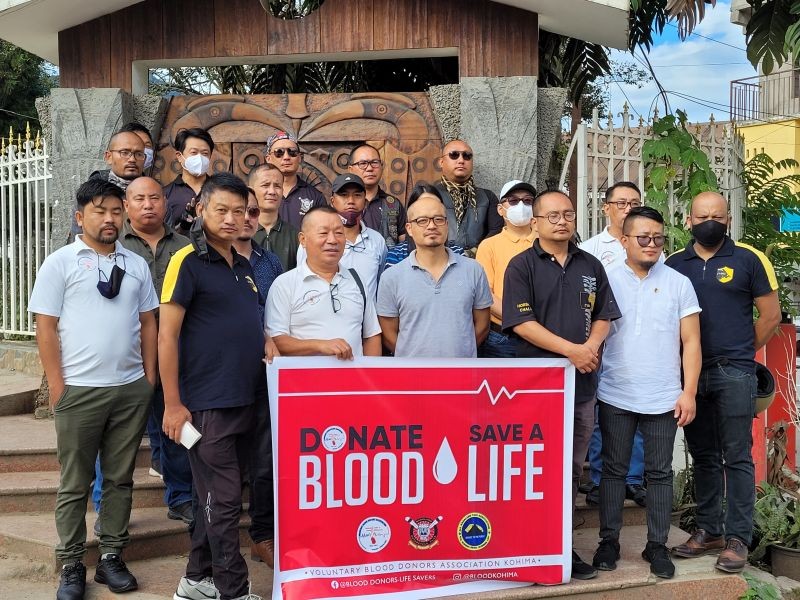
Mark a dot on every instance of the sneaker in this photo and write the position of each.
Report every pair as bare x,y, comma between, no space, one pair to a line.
113,572
249,595
155,469
593,496
637,493
196,590
181,512
580,569
658,557
73,582
607,554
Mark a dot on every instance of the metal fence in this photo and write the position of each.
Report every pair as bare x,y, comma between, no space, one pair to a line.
766,97
24,226
607,155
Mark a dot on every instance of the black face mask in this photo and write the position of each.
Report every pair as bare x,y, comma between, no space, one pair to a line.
110,289
709,233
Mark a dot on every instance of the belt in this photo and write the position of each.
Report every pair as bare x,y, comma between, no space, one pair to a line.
495,327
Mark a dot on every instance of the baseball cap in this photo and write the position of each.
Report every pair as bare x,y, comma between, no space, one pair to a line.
347,179
516,184
277,136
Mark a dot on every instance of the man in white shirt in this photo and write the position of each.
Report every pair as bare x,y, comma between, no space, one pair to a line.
607,247
322,307
640,384
94,303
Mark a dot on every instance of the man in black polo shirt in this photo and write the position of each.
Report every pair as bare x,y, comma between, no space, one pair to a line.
730,279
557,299
211,343
384,213
298,196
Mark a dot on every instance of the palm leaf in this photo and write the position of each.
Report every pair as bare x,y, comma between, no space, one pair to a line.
688,14
767,32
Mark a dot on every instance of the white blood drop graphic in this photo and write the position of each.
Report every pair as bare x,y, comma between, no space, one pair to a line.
445,468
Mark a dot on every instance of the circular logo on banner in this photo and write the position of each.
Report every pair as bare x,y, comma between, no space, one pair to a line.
423,532
474,531
333,438
373,534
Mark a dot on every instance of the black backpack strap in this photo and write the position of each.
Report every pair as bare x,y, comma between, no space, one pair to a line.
360,287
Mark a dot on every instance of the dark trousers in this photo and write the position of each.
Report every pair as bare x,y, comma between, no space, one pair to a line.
583,422
636,469
262,502
174,458
497,345
720,440
618,427
218,460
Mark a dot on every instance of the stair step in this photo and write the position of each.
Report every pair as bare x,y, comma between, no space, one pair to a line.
588,517
17,392
35,491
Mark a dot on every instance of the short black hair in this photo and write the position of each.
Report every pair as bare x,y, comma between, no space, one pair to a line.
133,127
356,148
622,184
419,190
194,132
258,168
97,188
537,201
319,209
224,181
641,212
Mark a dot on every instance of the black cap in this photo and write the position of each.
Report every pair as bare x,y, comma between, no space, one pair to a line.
347,179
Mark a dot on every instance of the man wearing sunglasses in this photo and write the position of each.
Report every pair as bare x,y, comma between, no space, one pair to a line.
471,211
494,254
298,195
606,246
642,390
557,300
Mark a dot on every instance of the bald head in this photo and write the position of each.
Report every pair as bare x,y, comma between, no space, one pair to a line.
457,163
709,202
125,155
145,185
145,204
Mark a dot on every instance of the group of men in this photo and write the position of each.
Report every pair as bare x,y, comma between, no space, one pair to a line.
270,267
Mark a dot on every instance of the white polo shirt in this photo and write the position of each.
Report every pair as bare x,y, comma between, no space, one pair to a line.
303,305
641,367
607,249
366,255
100,337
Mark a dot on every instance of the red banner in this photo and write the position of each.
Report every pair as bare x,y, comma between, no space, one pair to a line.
404,478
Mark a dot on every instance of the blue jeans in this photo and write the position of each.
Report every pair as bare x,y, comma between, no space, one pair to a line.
720,440
497,345
174,460
636,469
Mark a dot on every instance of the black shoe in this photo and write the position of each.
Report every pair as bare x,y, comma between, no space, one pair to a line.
182,512
97,526
637,493
658,557
585,487
593,496
580,569
113,572
607,554
73,582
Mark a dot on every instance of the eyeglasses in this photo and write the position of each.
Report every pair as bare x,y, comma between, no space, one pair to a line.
359,246
335,302
454,154
644,240
279,152
526,200
138,154
425,221
253,212
623,204
363,164
555,217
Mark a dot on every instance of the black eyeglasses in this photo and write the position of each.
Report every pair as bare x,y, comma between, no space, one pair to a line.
555,217
279,152
363,164
623,204
335,302
138,155
527,201
424,221
644,240
454,154
253,211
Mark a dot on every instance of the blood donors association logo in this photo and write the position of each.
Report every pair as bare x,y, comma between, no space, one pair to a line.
333,438
373,534
474,531
424,532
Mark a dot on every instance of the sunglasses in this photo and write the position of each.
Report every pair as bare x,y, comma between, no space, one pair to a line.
278,153
527,201
644,240
253,212
454,154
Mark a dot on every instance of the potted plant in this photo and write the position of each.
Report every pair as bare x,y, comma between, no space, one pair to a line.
776,525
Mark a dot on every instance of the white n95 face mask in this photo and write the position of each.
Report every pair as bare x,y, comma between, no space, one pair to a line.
520,214
197,164
148,158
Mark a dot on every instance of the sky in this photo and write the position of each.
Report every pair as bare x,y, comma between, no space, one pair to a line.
697,67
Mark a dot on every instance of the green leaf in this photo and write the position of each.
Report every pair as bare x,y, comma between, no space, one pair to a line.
766,34
658,178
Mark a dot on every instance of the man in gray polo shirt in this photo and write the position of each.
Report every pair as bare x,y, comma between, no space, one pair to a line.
435,302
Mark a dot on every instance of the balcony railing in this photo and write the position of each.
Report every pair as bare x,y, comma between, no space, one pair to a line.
766,98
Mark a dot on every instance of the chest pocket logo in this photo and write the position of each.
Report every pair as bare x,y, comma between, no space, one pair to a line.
724,274
252,283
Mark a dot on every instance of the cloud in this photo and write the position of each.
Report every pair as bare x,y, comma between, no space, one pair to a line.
673,62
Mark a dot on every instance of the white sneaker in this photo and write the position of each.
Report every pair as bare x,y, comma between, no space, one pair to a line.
249,595
196,590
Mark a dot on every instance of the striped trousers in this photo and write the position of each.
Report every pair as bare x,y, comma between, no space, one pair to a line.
618,426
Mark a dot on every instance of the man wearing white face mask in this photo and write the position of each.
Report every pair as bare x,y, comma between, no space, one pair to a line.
193,148
494,254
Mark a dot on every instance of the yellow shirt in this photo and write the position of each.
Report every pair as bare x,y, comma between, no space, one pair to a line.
494,254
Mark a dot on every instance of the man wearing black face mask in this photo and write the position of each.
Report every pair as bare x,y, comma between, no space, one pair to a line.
94,303
730,279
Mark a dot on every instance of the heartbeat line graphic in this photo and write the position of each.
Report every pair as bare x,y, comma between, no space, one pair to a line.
484,387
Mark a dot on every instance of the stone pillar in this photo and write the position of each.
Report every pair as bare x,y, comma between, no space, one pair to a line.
550,110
